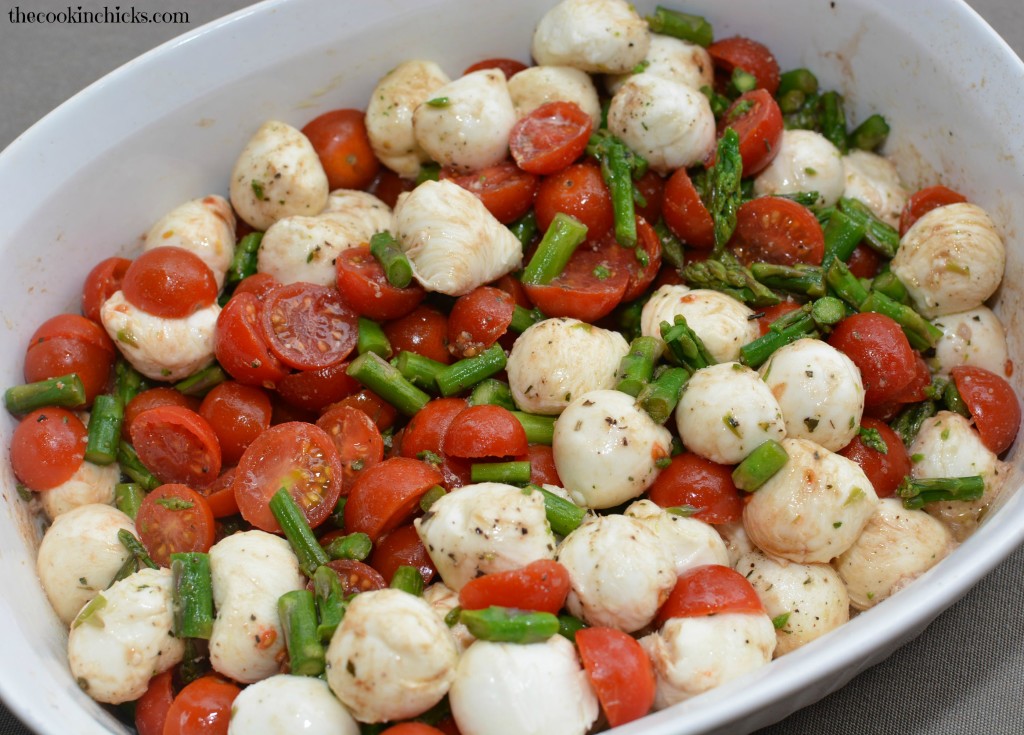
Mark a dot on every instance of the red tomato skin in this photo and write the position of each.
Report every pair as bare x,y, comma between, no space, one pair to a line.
388,186
708,590
166,530
72,326
478,320
757,120
220,494
101,283
59,356
424,331
426,430
258,284
879,348
177,445
751,56
508,67
771,313
925,200
308,326
355,576
504,189
542,465
239,344
202,707
387,494
620,671
685,213
700,483
887,470
380,411
341,142
579,191
412,728
864,262
151,708
643,262
484,431
578,292
364,285
402,547
993,404
357,439
550,137
541,585
169,282
237,413
152,398
47,448
777,230
315,390
652,188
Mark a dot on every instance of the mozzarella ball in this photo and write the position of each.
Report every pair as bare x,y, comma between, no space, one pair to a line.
722,323
668,123
813,509
513,689
538,85
873,180
79,556
443,599
286,704
819,390
391,657
807,161
691,542
90,484
249,571
606,448
619,570
452,241
974,337
726,412
896,547
389,114
951,259
810,598
205,227
125,638
278,174
693,655
161,348
680,61
556,360
737,543
607,36
483,528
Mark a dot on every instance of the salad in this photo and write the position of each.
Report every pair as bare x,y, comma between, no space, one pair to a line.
589,386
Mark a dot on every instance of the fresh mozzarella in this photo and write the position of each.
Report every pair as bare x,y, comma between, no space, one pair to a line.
691,542
722,323
951,259
813,509
555,360
249,571
873,180
286,704
806,161
453,242
819,390
606,36
896,547
538,85
124,637
726,412
687,63
668,123
975,337
443,599
391,657
80,555
88,485
482,528
620,572
278,174
737,543
513,689
606,448
806,600
205,227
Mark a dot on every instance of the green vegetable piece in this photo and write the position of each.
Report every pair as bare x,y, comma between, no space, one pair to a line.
432,496
297,611
560,241
523,319
844,284
800,279
355,546
889,284
842,235
296,529
466,373
135,548
833,120
525,228
329,596
879,236
870,134
659,397
193,595
539,429
132,466
568,625
671,246
506,625
692,28
683,347
243,264
637,367
201,383
384,379
492,392
397,268
418,369
371,338
104,437
921,333
564,517
128,382
128,497
759,466
917,493
952,400
510,473
908,422
66,391
787,328
800,80
408,579
731,277
724,194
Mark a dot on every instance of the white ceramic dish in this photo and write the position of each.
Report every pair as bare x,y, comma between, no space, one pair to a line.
94,174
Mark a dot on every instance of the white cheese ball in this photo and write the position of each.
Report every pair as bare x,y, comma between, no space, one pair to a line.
80,555
974,337
691,542
813,509
675,59
723,323
811,598
286,704
205,227
606,36
951,259
470,130
483,528
668,123
619,570
538,85
126,638
443,599
896,547
873,180
513,689
249,571
390,110
692,655
819,390
278,174
556,360
89,484
737,543
806,161
452,241
158,347
726,412
606,448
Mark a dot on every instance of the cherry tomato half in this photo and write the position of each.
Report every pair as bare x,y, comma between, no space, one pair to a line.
402,547
738,52
887,469
47,448
757,120
239,344
101,283
925,200
177,445
505,190
685,213
619,670
363,284
777,230
237,413
541,585
387,494
880,350
308,326
341,142
203,707
550,137
173,519
357,439
169,282
691,480
993,405
577,190
709,590
484,431
478,319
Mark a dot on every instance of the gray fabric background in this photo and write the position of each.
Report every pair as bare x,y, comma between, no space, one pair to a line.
965,674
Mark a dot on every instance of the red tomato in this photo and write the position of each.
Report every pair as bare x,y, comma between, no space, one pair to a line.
315,390
644,261
169,282
592,284
47,448
709,590
426,430
382,413
993,405
239,344
357,440
258,284
151,708
886,470
307,326
550,137
619,670
388,186
512,286
685,213
757,120
424,331
101,283
412,728
485,431
748,55
771,313
152,398
579,191
921,202
879,348
478,319
72,326
652,188
506,190
508,67
355,576
237,413
691,480
541,585
174,519
864,262
777,230
177,445
363,284
297,456
220,494
387,494
202,708
341,142
402,547
542,465
59,356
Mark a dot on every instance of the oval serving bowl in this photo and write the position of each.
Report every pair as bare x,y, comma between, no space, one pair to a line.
94,174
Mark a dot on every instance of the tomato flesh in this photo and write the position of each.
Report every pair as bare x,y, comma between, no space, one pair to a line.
879,348
579,191
363,284
357,439
202,707
238,414
593,283
174,519
402,547
177,445
387,494
777,230
550,137
485,431
685,213
308,327
993,405
505,190
757,120
478,319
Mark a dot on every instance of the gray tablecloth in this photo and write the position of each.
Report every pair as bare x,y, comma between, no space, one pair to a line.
965,674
